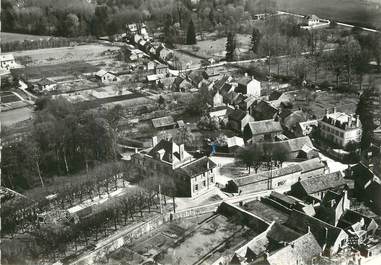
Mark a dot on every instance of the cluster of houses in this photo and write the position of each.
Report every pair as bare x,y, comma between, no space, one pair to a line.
310,223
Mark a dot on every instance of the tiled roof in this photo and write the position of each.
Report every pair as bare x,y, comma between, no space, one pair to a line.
266,175
163,122
45,81
300,222
196,167
302,249
264,127
225,89
235,141
169,150
237,115
351,217
311,164
245,80
281,233
323,182
220,82
280,197
265,108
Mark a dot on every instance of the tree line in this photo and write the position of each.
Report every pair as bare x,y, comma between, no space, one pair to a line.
71,18
51,241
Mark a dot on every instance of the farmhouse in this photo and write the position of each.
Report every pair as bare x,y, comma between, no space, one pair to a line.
249,86
238,119
312,167
191,176
46,84
330,238
266,130
316,187
263,110
106,77
7,61
261,181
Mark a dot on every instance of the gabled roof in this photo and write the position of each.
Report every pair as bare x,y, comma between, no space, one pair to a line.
196,167
264,107
296,144
101,73
169,150
281,233
163,122
282,198
301,222
45,82
266,175
330,197
351,217
220,82
7,57
311,164
302,249
237,115
322,182
225,89
235,141
292,120
246,80
264,127
230,96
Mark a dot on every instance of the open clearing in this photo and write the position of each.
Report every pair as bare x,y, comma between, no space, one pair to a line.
10,37
216,47
11,117
88,52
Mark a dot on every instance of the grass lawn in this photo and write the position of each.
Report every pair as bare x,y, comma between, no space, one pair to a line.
10,37
212,48
88,52
63,69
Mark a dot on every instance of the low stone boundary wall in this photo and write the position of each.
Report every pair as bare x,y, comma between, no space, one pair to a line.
251,220
103,249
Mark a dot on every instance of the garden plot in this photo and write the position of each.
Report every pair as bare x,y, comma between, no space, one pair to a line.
109,91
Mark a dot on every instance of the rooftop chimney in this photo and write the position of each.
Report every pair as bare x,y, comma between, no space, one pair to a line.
181,152
308,229
154,141
334,109
350,118
357,120
326,112
246,75
207,164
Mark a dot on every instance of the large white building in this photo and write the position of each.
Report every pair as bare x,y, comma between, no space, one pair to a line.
340,128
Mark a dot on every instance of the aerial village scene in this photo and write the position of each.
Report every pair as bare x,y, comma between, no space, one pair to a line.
218,132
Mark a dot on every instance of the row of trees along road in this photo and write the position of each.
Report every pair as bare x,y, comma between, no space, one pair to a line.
64,139
50,242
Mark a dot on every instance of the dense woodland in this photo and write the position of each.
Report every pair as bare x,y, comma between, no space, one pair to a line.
63,140
70,18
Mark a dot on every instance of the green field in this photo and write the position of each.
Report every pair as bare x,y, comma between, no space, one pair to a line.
357,12
10,37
